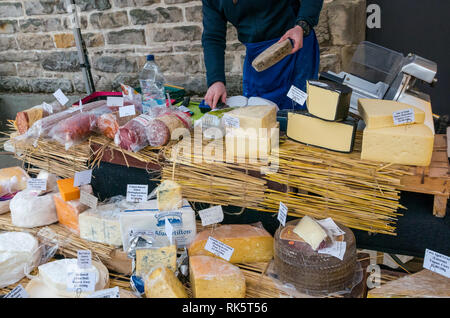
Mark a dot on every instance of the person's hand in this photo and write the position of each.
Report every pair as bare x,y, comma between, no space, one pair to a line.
296,35
216,92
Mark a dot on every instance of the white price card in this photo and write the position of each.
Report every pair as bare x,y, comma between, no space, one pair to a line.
404,116
231,122
82,178
79,281
114,101
337,249
282,213
169,229
137,193
218,248
17,292
88,199
211,215
329,225
106,293
84,258
297,95
129,110
35,184
436,262
60,97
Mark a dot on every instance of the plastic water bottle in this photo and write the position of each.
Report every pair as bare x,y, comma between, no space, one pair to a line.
152,85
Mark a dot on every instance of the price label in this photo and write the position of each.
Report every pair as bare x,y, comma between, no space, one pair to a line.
404,116
35,184
137,193
282,213
88,199
329,225
127,111
297,95
230,121
82,178
169,229
218,248
114,101
79,281
17,292
84,258
436,262
106,293
60,97
336,250
211,215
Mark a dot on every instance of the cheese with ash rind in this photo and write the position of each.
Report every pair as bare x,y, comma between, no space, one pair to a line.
162,283
254,116
152,257
212,277
28,209
18,251
101,225
169,196
310,231
250,243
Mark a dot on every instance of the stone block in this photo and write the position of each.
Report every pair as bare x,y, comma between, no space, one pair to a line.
50,85
109,20
8,26
157,15
8,69
347,21
41,7
7,43
40,25
14,84
126,37
174,34
35,41
115,64
29,69
61,62
64,40
194,14
134,3
10,10
179,63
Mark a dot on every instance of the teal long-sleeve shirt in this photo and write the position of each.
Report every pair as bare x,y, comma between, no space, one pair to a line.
255,21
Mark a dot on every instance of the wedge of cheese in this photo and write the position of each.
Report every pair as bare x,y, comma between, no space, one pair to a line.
69,211
310,231
407,145
378,113
149,258
101,225
250,243
328,100
253,117
215,278
168,195
336,136
162,283
67,190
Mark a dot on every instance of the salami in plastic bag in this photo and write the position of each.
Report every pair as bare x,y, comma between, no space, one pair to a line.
161,128
25,119
108,124
132,136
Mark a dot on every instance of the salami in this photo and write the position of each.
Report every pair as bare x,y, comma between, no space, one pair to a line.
132,136
109,124
25,119
161,129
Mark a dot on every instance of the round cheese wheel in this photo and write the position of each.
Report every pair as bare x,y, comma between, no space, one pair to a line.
28,209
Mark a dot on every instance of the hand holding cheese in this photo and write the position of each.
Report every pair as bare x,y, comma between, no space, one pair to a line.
311,232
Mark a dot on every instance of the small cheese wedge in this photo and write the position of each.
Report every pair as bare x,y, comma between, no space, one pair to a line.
378,113
407,145
169,196
250,243
310,231
150,258
255,116
162,283
69,211
215,278
67,190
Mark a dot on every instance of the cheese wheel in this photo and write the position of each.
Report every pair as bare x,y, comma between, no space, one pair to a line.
29,210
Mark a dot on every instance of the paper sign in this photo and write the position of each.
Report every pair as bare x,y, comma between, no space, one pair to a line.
84,258
329,225
60,97
106,293
169,229
230,121
218,248
282,213
211,215
127,111
137,193
18,292
88,199
404,116
436,262
79,281
114,101
297,95
35,184
82,178
183,109
336,250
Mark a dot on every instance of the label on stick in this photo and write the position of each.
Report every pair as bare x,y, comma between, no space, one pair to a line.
127,111
36,184
84,258
114,101
211,215
106,293
60,97
297,95
82,178
88,199
17,292
436,262
282,213
137,193
404,116
218,248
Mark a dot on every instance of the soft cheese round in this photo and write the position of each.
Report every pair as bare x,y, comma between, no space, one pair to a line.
30,210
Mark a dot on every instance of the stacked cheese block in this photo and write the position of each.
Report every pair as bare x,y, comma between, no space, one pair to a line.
409,141
326,124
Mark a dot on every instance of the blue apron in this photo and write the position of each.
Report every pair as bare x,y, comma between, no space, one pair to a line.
275,82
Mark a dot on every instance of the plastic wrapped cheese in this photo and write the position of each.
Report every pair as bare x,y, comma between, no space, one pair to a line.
162,283
28,209
68,211
12,179
101,225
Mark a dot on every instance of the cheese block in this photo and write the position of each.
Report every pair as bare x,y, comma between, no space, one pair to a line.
336,136
28,209
67,190
212,277
328,100
407,145
272,55
377,113
18,251
68,211
51,180
12,179
253,117
310,231
162,283
420,101
250,243
168,195
101,225
149,258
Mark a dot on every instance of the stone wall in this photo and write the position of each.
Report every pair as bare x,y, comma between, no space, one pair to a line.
38,55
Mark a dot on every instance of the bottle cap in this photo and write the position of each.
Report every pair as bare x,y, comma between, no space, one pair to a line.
150,57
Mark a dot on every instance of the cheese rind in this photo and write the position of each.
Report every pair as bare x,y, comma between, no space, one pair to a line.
310,231
169,196
150,258
255,116
408,145
215,278
328,100
67,190
250,243
378,113
162,283
336,136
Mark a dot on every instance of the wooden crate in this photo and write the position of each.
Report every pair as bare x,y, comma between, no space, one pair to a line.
434,179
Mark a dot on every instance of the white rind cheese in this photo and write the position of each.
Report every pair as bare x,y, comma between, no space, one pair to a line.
30,210
310,231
